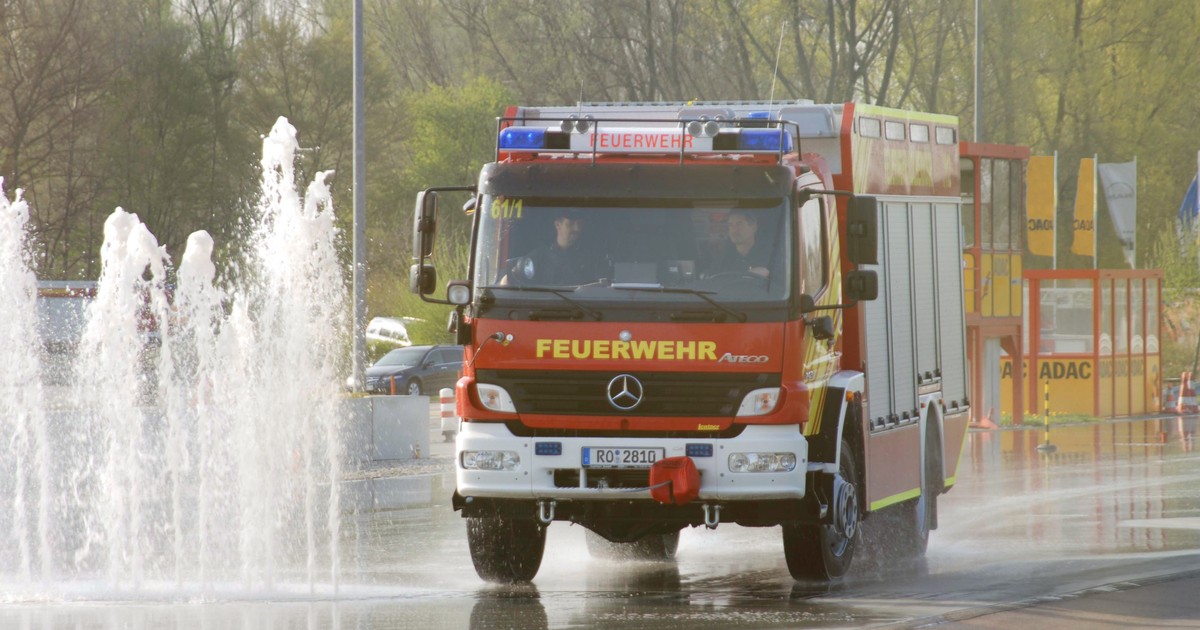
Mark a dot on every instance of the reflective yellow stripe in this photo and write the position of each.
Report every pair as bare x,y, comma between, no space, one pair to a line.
895,498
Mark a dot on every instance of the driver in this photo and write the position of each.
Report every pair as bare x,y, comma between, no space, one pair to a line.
743,253
563,262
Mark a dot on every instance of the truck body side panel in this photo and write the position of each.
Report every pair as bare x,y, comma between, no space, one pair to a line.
899,303
877,350
950,306
925,294
892,475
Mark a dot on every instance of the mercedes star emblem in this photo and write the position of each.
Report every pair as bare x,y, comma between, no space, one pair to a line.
624,392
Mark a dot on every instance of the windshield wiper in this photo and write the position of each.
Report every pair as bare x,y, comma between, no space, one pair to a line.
739,316
551,313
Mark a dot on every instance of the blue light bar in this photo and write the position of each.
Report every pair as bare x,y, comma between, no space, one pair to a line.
763,140
522,138
547,448
699,450
759,115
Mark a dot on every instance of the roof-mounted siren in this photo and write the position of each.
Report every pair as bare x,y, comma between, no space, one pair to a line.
705,122
577,123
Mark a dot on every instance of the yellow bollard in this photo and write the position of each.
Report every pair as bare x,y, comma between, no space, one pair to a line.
1046,447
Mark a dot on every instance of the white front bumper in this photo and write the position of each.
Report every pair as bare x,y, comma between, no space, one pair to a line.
533,477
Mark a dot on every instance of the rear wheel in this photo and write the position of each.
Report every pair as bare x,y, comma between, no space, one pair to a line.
823,552
919,515
506,550
660,547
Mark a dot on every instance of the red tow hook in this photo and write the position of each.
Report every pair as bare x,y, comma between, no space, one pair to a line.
674,480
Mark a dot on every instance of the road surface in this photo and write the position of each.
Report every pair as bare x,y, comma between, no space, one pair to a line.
1104,532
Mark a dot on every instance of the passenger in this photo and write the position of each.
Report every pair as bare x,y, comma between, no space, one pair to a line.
743,253
566,261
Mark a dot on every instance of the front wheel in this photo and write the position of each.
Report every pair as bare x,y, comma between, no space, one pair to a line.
506,550
822,552
413,388
659,547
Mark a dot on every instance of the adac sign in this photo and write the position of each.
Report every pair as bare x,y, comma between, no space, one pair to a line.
1072,384
1073,369
1041,225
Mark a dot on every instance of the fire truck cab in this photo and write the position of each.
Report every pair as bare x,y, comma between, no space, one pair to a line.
683,315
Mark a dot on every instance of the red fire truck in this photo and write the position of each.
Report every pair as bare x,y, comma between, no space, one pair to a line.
687,314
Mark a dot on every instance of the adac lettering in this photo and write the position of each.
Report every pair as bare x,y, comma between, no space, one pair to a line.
1041,225
1056,370
1121,367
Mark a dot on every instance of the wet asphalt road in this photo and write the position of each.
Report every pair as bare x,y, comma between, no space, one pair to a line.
1104,531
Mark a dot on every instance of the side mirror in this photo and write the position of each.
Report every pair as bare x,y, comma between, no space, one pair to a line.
862,231
424,223
822,328
860,285
807,304
422,278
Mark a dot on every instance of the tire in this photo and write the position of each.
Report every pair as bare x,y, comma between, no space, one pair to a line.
656,547
819,552
919,516
412,387
506,550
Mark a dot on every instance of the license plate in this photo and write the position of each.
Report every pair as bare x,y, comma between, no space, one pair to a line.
620,456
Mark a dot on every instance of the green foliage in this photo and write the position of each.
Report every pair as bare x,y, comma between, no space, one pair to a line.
1038,420
448,135
158,106
1178,261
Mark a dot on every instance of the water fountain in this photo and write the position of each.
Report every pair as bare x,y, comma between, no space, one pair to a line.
197,452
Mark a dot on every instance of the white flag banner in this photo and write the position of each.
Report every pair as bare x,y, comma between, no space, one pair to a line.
1119,182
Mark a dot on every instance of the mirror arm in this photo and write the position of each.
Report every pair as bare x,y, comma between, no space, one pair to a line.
806,193
832,307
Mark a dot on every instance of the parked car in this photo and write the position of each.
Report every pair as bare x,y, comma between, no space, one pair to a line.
415,370
390,330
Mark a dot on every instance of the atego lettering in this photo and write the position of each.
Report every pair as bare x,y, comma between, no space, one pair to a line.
729,357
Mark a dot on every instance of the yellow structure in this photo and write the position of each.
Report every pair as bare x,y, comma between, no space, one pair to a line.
1093,335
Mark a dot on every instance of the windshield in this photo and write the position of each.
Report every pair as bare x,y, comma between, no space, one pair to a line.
402,357
728,250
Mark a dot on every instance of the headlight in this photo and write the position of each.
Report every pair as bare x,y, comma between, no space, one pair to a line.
495,398
759,402
490,460
762,462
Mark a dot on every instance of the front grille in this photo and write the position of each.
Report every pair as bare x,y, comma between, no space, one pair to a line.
603,478
667,394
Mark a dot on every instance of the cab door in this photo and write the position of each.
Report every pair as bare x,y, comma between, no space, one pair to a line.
818,276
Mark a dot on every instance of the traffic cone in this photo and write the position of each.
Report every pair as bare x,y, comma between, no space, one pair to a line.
985,422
